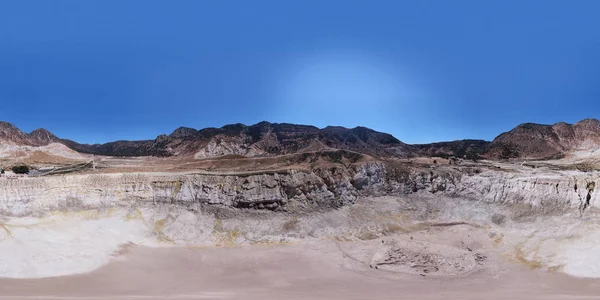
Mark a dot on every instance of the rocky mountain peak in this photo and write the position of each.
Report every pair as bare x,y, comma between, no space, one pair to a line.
41,137
589,124
183,132
8,128
10,133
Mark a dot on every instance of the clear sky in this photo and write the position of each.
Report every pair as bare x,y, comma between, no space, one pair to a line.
97,71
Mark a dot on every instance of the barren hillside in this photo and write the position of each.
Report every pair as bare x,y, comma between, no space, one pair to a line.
526,141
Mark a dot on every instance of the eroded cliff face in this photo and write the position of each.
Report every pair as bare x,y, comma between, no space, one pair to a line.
567,190
298,190
273,190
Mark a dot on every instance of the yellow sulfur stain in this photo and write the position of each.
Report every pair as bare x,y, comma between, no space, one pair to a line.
177,189
8,233
158,228
227,239
498,239
366,235
341,238
85,214
218,226
521,257
270,243
390,217
135,214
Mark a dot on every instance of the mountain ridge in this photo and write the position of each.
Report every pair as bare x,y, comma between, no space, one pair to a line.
527,140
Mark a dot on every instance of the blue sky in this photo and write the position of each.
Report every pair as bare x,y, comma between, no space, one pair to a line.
97,71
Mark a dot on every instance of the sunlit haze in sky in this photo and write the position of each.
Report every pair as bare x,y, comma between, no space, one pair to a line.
98,71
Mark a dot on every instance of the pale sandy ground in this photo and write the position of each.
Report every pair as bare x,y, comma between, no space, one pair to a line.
323,269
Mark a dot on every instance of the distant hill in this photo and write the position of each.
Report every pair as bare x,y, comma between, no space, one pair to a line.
528,141
39,137
536,141
470,149
256,140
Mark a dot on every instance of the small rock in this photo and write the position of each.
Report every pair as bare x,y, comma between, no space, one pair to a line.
498,219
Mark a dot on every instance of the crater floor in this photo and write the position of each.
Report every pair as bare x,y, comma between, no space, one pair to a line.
325,269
